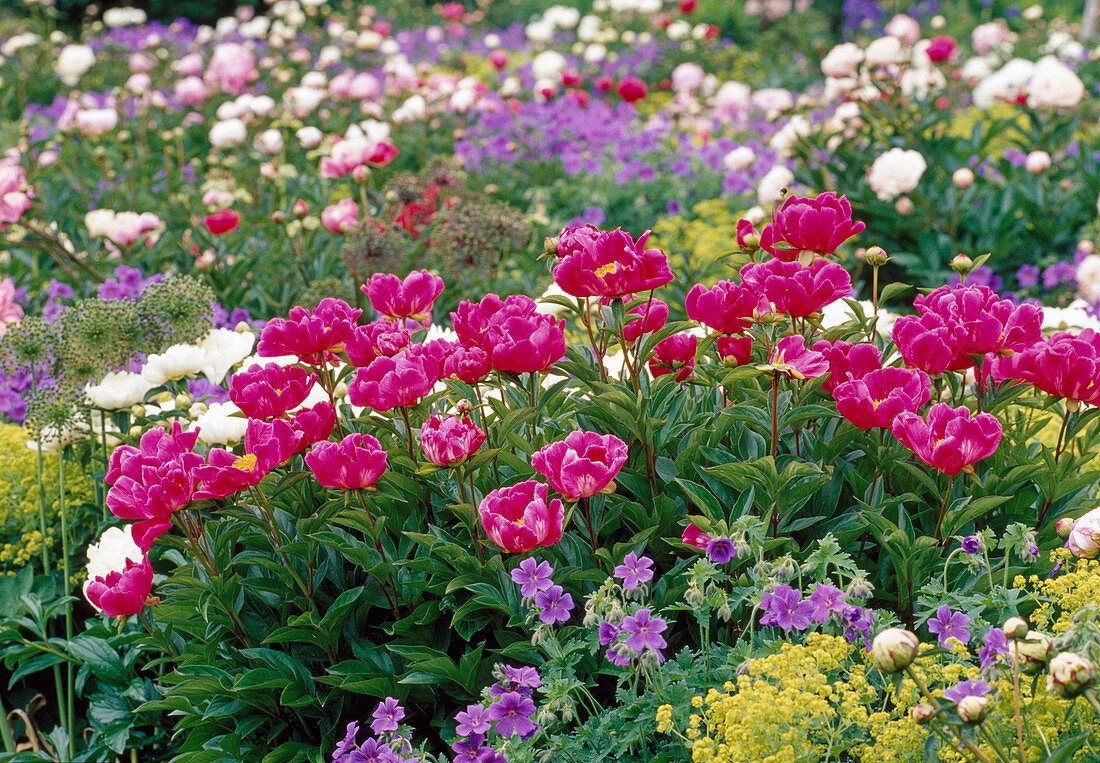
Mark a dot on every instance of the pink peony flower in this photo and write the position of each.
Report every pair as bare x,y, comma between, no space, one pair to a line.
735,350
875,399
266,444
191,91
222,221
649,318
1084,538
949,440
609,264
306,333
313,424
127,227
631,89
581,465
351,154
521,339
151,481
471,320
341,216
930,343
354,463
388,383
121,592
396,299
231,68
792,357
817,225
726,307
10,310
1065,365
269,391
745,229
518,518
797,290
991,324
847,361
15,194
676,354
941,49
468,364
450,441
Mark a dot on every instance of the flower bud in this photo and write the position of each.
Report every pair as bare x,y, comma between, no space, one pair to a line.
1032,652
876,256
972,709
904,206
183,401
137,411
751,242
963,177
340,391
136,431
550,245
164,398
961,264
1015,627
1070,675
1064,527
922,713
1037,162
464,407
894,649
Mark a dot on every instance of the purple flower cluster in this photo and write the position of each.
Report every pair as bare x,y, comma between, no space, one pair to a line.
947,624
633,636
508,714
784,608
554,605
390,746
127,283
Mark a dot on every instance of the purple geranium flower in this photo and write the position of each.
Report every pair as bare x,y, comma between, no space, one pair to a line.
825,600
608,632
974,687
620,655
523,679
645,631
996,642
472,720
971,544
387,716
859,622
721,550
532,576
512,714
634,570
554,605
783,607
947,624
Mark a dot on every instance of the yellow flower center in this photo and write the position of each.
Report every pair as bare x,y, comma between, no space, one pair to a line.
245,463
604,270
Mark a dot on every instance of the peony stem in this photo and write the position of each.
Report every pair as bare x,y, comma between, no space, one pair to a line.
591,527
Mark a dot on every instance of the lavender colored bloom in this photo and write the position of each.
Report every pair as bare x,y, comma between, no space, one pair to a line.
347,744
634,570
645,631
554,605
825,600
532,576
466,751
1027,276
721,550
1059,273
947,624
608,632
387,716
859,623
620,655
512,715
974,687
971,544
523,679
784,608
373,751
996,642
472,720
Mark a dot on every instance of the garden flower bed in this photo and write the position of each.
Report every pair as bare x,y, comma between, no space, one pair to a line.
487,384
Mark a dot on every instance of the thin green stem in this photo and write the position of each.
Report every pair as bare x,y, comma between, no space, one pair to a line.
70,701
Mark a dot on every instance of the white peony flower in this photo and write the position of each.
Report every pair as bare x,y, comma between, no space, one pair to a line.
1004,84
770,188
115,547
269,142
740,158
1054,86
896,172
73,62
547,65
176,362
221,424
310,136
228,132
120,17
1088,279
842,61
118,390
885,51
224,349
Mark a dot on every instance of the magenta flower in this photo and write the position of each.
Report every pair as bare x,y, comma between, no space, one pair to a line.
818,225
354,463
744,230
341,216
784,608
468,364
875,400
306,333
473,720
396,299
581,465
734,349
608,632
947,624
721,550
313,424
949,440
269,391
996,643
518,518
651,317
266,444
512,714
609,264
990,324
634,571
847,361
675,355
121,592
387,716
797,290
554,604
645,631
825,600
471,319
523,340
450,441
532,576
382,337
792,357
930,343
1066,365
696,538
388,383
151,481
726,307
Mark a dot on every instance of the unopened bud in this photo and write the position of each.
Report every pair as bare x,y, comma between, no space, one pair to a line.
183,401
1037,162
1070,675
922,712
904,206
1015,628
894,649
164,397
277,216
137,411
1031,653
464,407
961,264
972,709
963,177
341,391
135,431
242,327
876,256
1064,527
300,209
550,245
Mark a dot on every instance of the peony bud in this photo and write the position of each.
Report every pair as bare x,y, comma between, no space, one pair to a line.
922,713
1070,675
904,206
972,709
876,256
550,245
963,177
183,402
137,411
1037,162
961,264
1032,652
1015,627
1064,527
894,649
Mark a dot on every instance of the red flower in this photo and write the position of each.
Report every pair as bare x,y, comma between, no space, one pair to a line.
795,289
687,7
696,538
121,592
597,263
266,445
631,89
734,350
222,221
726,307
354,463
949,440
847,361
941,49
411,298
676,354
1066,365
875,400
306,333
817,225
269,391
604,84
